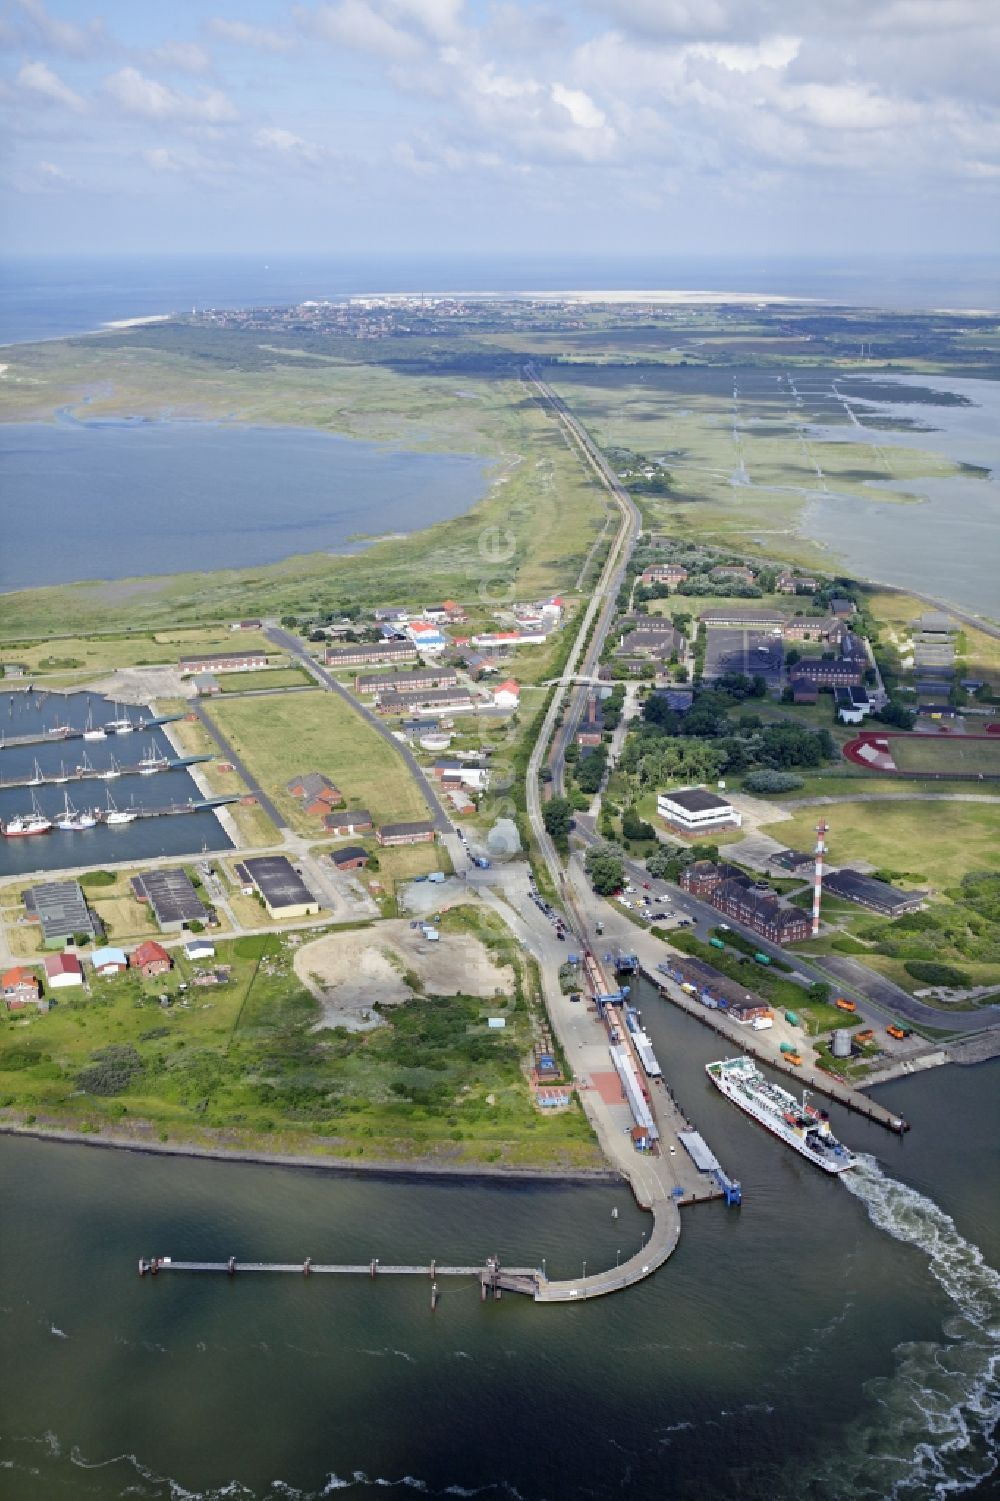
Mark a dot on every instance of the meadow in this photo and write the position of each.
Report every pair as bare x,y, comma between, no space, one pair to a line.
934,842
241,1065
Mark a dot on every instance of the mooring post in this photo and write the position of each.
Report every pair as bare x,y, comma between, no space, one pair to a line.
154,1265
434,1296
142,1267
373,1267
433,1270
231,1267
307,1266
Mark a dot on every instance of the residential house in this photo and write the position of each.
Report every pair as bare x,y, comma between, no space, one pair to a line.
351,857
670,574
316,791
224,661
199,948
21,987
150,959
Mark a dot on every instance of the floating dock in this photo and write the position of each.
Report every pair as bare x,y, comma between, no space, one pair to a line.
92,774
62,733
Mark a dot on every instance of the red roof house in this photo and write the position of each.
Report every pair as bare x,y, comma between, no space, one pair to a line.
20,987
150,958
63,970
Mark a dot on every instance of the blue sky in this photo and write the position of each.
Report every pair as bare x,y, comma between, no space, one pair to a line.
646,126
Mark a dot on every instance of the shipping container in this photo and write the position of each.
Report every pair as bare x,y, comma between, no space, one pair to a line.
762,958
788,1047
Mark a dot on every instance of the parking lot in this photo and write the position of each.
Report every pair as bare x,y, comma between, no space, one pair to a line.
729,649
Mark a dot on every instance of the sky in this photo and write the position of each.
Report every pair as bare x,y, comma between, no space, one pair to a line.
501,126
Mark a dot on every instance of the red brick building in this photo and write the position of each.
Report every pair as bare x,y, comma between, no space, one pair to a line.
150,959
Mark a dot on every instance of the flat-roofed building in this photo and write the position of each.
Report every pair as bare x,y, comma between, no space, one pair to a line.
282,889
61,910
695,810
172,897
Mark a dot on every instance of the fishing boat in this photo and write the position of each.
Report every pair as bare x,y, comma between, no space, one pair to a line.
92,731
153,761
23,824
70,821
110,772
798,1124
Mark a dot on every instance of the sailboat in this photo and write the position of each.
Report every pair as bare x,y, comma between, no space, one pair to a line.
71,822
36,779
121,724
92,732
154,760
115,816
63,774
110,772
85,767
34,822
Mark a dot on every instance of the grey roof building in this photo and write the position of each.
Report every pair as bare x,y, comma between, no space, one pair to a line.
172,896
61,909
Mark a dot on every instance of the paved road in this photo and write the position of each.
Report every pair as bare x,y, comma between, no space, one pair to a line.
241,766
884,992
297,648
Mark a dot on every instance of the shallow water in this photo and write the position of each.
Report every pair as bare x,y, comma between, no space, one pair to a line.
111,500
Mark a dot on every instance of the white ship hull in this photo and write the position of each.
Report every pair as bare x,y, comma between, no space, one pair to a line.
834,1159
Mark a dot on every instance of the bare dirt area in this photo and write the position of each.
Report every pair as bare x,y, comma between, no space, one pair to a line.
349,972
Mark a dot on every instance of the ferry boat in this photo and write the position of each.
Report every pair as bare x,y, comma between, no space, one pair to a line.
798,1124
23,824
72,822
643,1046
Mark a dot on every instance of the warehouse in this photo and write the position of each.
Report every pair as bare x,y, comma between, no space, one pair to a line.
362,653
877,896
282,889
61,909
405,833
379,683
172,896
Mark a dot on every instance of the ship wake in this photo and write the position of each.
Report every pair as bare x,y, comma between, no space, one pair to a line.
936,1432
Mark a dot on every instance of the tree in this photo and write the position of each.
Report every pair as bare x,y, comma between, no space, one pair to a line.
657,711
792,656
819,992
766,780
289,622
660,863
895,714
634,827
605,866
758,687
557,816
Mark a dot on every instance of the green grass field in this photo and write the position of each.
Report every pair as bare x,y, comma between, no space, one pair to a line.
947,754
269,678
241,1066
316,731
940,842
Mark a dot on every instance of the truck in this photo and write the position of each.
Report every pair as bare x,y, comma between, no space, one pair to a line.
762,1023
436,875
843,1005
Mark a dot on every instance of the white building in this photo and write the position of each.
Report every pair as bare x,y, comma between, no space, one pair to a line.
695,810
199,948
507,695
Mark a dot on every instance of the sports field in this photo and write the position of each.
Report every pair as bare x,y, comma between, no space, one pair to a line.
952,755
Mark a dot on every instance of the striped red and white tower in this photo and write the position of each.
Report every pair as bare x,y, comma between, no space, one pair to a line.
821,828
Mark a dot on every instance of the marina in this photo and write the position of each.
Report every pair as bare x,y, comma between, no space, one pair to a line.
96,792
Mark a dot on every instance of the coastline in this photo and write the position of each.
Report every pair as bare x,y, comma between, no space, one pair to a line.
416,1170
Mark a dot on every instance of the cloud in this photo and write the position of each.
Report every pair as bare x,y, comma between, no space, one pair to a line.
39,79
57,35
160,159
185,57
50,173
275,140
580,107
148,99
242,34
357,25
